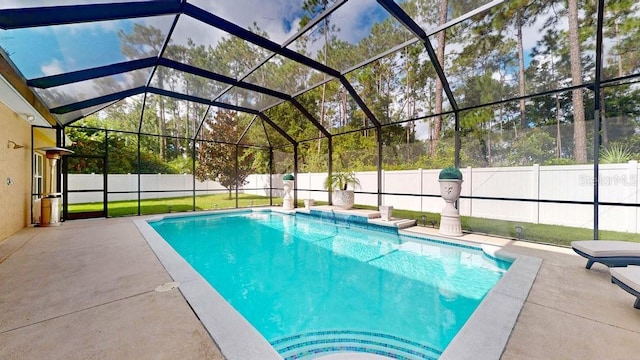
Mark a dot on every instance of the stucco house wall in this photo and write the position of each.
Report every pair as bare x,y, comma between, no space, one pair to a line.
15,169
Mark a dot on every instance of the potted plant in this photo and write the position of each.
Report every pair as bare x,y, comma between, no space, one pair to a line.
450,179
337,183
287,200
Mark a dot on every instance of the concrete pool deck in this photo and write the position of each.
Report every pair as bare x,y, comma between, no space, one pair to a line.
86,290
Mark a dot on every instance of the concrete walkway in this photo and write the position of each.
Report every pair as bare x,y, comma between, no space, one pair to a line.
85,290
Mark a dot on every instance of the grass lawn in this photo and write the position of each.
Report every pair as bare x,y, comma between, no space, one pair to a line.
549,234
542,233
177,204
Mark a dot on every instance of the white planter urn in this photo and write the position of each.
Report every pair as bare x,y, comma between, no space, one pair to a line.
287,200
450,216
343,199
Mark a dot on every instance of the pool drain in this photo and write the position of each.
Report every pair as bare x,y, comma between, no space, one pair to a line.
167,286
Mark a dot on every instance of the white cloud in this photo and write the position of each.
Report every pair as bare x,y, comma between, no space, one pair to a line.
52,68
271,16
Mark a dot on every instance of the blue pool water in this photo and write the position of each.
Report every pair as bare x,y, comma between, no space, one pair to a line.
313,286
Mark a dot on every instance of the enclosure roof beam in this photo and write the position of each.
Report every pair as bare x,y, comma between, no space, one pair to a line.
93,73
200,100
396,11
277,128
310,117
431,32
221,78
139,90
328,11
356,97
233,29
97,101
70,14
246,130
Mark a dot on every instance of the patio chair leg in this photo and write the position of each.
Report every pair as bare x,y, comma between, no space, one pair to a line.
637,303
589,263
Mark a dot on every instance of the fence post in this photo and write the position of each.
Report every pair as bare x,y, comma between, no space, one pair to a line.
420,187
634,189
535,193
470,185
383,182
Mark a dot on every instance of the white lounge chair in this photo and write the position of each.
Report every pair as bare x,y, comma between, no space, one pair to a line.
628,278
608,252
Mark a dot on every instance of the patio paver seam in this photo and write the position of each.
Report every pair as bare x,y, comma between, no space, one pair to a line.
76,311
581,316
17,248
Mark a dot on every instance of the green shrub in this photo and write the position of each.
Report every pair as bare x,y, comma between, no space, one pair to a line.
560,161
615,154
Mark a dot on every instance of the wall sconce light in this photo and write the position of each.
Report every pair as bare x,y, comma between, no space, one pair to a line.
14,146
30,118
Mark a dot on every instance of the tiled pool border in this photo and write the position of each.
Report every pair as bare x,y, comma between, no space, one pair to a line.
484,336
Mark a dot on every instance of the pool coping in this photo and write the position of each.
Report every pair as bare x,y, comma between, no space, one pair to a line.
487,331
484,335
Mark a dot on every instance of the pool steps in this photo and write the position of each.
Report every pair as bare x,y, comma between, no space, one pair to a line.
357,215
316,344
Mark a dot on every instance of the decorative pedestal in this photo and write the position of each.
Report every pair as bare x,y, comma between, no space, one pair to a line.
308,203
385,212
450,216
287,200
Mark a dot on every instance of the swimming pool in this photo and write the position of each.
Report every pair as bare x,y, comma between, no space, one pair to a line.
314,286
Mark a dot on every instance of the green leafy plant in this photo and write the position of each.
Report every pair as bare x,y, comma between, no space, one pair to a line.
450,173
615,154
340,181
288,177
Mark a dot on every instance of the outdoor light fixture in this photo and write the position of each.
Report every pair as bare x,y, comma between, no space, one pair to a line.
519,230
14,146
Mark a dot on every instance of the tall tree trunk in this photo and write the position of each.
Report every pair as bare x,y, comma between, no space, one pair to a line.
618,56
489,161
409,100
558,134
523,118
437,121
162,123
343,110
579,126
603,123
163,130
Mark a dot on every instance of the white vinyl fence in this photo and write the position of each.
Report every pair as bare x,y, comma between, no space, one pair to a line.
618,184
152,186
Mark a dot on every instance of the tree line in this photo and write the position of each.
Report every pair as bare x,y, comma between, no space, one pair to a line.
487,59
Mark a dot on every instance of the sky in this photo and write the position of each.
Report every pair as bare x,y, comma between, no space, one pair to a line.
53,50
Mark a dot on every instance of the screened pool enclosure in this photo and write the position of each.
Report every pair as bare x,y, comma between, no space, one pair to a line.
185,105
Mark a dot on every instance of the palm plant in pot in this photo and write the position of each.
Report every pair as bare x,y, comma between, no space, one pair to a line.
338,183
450,179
